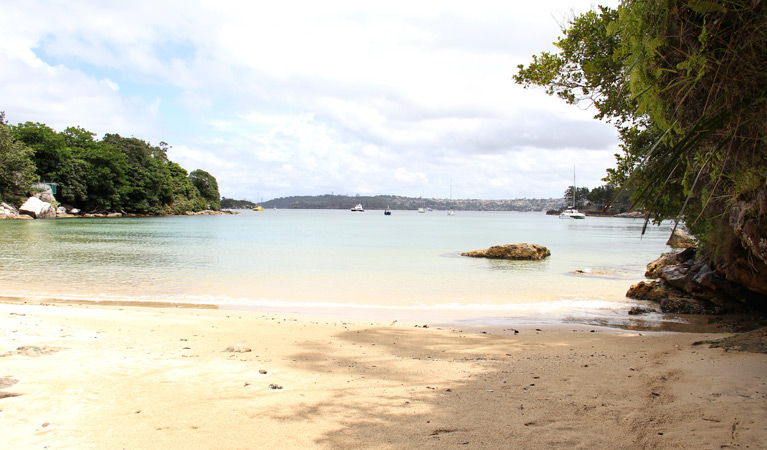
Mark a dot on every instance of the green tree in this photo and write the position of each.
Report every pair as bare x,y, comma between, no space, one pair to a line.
17,170
186,197
686,85
207,185
104,174
581,194
148,188
50,148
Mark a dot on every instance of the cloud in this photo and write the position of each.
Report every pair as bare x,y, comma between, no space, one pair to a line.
302,97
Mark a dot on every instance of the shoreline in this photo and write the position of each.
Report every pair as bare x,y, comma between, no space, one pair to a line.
151,377
425,316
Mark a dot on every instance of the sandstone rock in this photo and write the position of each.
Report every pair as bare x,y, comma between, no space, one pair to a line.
680,239
670,299
743,256
511,251
669,259
37,208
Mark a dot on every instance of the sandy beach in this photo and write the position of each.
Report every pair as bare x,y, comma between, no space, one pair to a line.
137,377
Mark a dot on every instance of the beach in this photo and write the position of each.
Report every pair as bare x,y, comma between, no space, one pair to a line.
126,376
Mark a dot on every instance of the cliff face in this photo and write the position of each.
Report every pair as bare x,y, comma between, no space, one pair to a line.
743,256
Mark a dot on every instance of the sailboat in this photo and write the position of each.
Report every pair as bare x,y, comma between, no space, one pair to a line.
571,212
450,211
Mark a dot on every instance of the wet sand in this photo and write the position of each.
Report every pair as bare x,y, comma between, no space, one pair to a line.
78,376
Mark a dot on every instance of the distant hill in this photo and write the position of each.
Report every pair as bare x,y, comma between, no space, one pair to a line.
399,203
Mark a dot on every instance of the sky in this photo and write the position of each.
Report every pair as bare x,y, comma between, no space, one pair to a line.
411,98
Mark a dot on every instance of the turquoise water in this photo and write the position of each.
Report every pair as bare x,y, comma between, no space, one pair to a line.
335,262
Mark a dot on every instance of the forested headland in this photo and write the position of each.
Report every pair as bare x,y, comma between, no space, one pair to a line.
114,173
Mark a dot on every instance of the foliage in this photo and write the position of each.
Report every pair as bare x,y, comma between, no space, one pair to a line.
230,203
581,195
686,87
17,170
110,174
207,185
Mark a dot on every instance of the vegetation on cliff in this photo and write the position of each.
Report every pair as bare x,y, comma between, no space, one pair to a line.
111,174
684,83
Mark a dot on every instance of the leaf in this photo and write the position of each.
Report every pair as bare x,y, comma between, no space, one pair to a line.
705,7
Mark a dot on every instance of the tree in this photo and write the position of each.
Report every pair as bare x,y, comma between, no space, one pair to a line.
148,182
207,185
581,194
685,84
50,148
186,197
17,171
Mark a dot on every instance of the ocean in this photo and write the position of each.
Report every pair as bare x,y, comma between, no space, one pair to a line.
340,264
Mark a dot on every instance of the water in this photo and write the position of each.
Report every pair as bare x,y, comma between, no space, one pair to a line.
337,263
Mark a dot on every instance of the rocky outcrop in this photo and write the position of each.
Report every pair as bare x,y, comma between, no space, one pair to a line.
7,211
669,259
743,257
37,209
687,284
511,251
670,299
680,239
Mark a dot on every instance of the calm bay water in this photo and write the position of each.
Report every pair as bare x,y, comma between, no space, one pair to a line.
406,265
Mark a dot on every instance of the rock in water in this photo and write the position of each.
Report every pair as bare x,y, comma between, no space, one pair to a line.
511,251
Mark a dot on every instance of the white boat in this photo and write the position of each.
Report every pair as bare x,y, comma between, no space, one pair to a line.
358,208
571,212
421,210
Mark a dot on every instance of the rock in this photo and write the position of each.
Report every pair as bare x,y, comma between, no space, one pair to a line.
239,348
693,286
669,259
511,251
680,239
752,341
639,310
7,211
742,257
670,299
37,209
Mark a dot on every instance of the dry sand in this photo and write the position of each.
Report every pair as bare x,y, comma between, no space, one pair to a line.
80,377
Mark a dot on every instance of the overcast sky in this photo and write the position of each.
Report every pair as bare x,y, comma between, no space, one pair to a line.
280,98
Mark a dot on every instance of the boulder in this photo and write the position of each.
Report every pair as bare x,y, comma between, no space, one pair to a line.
670,299
680,239
7,211
669,259
511,251
37,209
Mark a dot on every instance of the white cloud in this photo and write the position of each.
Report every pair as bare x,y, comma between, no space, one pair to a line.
301,97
